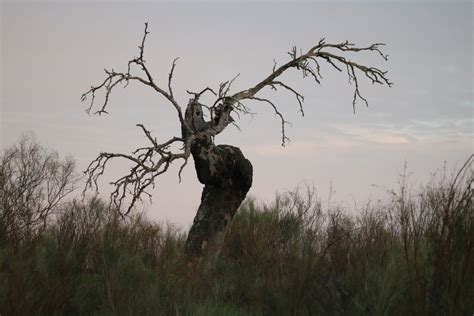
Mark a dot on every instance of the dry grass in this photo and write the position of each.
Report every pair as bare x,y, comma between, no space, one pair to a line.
412,254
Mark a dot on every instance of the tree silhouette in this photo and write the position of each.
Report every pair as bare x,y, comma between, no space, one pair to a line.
223,169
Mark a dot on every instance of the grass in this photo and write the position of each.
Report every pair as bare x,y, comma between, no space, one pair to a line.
411,254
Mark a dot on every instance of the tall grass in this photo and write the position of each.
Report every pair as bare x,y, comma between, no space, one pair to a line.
412,254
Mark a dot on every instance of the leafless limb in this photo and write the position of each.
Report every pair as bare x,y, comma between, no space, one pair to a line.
298,96
114,78
147,164
284,139
197,95
224,87
309,66
170,76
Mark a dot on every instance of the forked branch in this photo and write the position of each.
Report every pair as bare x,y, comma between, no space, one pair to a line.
114,78
147,163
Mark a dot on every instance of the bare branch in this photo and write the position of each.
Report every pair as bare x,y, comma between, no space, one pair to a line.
142,46
225,87
309,66
143,172
298,96
284,139
114,78
148,135
170,76
197,95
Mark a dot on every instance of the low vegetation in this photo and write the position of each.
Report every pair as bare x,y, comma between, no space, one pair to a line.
410,254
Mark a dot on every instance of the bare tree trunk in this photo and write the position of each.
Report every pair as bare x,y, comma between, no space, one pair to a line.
227,177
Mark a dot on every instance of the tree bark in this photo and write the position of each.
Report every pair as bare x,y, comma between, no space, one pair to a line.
227,177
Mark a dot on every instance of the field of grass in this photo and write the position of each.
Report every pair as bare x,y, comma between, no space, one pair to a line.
411,254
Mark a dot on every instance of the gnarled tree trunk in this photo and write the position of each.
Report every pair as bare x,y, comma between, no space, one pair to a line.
223,169
227,177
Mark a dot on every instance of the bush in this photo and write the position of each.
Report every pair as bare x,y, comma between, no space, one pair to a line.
33,185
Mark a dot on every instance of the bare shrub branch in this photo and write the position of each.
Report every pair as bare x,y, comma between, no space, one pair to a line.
34,183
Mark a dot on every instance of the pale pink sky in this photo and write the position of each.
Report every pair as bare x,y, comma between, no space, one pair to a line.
53,51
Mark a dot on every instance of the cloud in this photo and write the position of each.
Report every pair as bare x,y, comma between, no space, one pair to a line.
467,104
291,149
442,129
377,134
405,133
345,137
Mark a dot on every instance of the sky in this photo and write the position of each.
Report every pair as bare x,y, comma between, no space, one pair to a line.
52,52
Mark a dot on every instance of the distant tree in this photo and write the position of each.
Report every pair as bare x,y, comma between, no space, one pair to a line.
33,185
223,169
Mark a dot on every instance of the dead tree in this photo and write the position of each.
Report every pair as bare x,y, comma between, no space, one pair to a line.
223,169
